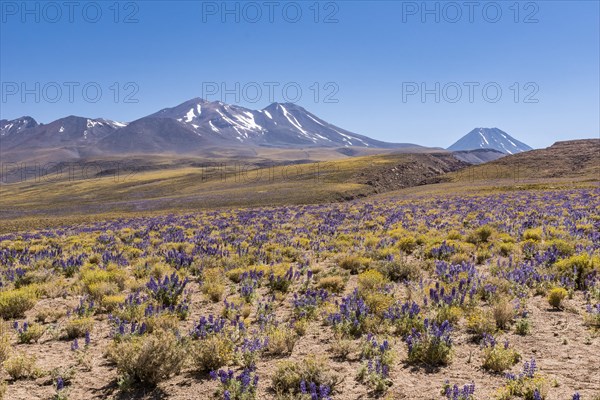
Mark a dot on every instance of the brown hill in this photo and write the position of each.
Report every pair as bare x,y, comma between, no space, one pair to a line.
578,159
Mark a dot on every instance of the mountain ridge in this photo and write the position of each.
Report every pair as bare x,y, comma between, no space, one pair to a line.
193,125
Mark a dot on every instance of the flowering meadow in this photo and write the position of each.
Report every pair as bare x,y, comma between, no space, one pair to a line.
486,296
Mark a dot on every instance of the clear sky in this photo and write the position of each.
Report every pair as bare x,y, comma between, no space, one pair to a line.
373,58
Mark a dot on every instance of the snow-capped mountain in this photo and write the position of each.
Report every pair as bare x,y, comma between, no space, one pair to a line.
192,126
70,131
490,138
199,123
9,128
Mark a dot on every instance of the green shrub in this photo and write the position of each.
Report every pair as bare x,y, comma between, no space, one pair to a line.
150,358
522,326
333,284
506,249
212,352
499,358
454,235
112,302
14,303
407,244
577,268
166,321
213,284
482,255
21,366
214,291
432,347
525,385
289,375
99,282
354,264
341,348
77,327
281,340
399,270
371,284
30,333
534,234
480,235
378,302
5,347
447,313
556,297
480,322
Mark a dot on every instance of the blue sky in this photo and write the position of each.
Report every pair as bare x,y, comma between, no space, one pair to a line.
373,58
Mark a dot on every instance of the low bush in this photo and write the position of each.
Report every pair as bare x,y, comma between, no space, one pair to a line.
281,340
407,244
578,268
354,264
506,249
14,303
448,313
333,284
21,366
341,348
480,235
433,346
231,387
213,284
481,322
498,357
99,282
528,385
77,327
150,358
377,359
48,314
404,318
5,347
522,326
378,302
352,316
504,313
291,377
556,297
534,234
28,333
213,352
399,270
112,302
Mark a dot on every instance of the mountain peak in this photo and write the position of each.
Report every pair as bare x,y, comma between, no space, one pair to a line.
489,138
10,127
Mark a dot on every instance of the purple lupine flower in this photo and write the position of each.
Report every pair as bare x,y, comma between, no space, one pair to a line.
60,383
